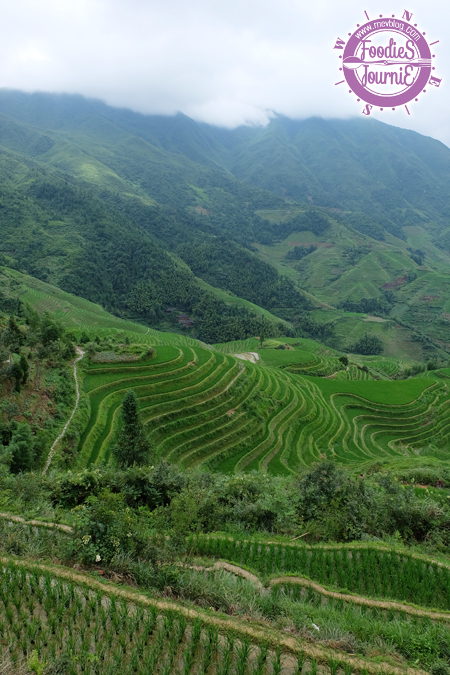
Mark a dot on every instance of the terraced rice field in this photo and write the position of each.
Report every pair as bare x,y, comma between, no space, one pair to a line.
367,571
202,406
76,624
80,629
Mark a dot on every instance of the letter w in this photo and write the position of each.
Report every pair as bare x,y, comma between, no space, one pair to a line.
339,44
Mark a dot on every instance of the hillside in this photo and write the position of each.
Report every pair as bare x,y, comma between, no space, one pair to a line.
284,524
143,213
272,404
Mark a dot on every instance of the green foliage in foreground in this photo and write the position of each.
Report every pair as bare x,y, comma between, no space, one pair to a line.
135,523
328,502
51,626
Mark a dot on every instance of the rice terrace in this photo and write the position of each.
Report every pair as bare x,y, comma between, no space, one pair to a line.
224,395
202,405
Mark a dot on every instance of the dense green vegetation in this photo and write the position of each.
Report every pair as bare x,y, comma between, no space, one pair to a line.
155,526
35,393
125,209
253,439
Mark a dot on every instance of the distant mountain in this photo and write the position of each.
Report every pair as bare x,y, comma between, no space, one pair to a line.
100,200
356,164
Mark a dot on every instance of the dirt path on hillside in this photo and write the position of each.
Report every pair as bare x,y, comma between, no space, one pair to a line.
241,370
292,644
253,357
81,353
234,569
36,523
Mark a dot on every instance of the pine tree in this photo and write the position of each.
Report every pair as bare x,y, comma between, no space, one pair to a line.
15,372
21,448
13,335
25,367
132,446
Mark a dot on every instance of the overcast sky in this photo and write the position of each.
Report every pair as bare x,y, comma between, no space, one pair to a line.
226,62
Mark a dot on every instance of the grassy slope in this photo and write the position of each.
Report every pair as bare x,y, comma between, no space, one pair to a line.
234,300
329,274
75,312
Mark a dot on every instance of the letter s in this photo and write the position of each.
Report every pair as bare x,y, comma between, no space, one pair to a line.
367,109
410,49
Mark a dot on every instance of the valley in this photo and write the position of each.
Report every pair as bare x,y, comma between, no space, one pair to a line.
248,471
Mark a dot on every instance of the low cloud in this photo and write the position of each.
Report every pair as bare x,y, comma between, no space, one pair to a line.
223,63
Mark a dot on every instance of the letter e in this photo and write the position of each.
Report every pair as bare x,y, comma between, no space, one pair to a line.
435,81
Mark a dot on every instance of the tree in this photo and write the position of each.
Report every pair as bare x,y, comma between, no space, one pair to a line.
262,336
25,367
13,335
132,446
21,447
15,372
369,344
51,331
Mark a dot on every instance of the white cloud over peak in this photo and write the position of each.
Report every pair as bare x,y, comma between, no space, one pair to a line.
224,63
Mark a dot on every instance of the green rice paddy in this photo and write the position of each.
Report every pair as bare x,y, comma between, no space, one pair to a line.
203,406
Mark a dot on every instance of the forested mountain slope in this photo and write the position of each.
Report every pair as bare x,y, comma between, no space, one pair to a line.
132,210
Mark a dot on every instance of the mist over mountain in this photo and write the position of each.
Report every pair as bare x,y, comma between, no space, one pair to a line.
112,204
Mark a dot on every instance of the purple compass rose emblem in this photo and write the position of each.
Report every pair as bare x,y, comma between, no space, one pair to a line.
387,62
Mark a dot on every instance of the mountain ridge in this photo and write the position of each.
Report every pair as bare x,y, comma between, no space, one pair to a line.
226,204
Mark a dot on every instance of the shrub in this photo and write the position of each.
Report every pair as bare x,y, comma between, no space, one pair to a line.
369,344
104,527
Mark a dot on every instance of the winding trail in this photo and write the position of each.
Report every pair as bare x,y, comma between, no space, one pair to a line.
36,523
241,370
257,633
222,565
307,583
53,448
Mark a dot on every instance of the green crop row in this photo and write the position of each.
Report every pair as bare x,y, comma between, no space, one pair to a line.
48,619
370,572
284,420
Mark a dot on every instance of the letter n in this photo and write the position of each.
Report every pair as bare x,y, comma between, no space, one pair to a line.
339,44
435,81
407,15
